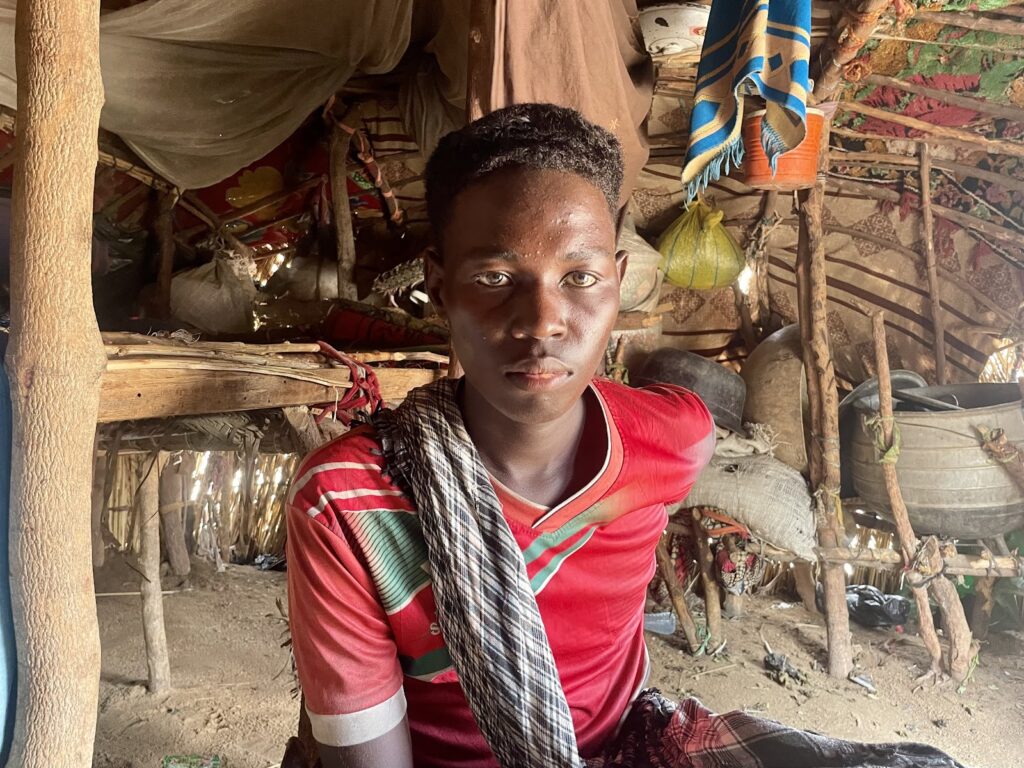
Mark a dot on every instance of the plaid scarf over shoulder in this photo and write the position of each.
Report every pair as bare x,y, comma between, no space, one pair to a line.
485,607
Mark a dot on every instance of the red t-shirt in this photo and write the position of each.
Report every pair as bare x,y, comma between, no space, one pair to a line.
364,623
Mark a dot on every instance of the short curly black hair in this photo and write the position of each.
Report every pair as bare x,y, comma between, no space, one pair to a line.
541,136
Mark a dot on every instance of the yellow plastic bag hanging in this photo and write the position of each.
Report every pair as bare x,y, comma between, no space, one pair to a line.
698,251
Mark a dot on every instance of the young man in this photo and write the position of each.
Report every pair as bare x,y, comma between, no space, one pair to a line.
467,573
526,272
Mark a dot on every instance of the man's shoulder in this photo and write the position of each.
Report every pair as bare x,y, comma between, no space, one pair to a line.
661,407
347,474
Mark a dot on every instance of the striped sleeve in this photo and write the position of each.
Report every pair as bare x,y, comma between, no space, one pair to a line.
344,648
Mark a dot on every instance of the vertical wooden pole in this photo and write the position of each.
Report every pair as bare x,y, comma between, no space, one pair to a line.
99,472
821,381
934,290
147,507
55,356
341,140
667,569
172,515
163,228
904,532
712,598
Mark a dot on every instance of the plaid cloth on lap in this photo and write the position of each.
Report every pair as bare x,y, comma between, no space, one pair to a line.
494,632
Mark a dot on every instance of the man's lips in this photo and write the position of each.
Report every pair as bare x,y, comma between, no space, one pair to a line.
538,374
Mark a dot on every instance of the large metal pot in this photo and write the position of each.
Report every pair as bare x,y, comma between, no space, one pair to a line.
950,485
722,390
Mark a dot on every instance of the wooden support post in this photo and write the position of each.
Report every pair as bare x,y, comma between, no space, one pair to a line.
981,614
173,498
163,228
667,569
99,473
712,598
934,291
54,356
945,593
824,397
341,140
147,508
732,606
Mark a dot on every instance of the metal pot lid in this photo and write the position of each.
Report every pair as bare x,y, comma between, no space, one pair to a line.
900,379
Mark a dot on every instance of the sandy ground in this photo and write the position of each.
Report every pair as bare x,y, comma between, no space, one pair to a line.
233,689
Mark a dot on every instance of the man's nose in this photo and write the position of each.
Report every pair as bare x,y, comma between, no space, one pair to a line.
538,312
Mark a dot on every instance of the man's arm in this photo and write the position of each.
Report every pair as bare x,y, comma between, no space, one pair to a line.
392,749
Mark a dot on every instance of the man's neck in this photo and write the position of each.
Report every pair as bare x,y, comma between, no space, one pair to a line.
537,461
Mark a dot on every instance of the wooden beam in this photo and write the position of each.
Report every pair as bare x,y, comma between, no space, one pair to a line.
982,106
972,21
938,132
167,392
55,356
960,169
851,32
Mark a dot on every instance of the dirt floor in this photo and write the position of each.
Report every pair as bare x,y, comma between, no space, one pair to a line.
233,686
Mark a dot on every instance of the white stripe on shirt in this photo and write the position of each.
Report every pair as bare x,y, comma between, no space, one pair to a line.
358,727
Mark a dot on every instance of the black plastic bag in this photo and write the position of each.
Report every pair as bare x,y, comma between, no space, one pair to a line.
870,607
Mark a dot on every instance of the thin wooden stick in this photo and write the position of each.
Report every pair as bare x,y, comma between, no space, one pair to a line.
712,598
934,291
880,159
973,21
121,338
211,365
667,569
945,594
983,106
933,131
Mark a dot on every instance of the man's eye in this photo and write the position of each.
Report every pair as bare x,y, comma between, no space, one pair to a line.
581,279
493,279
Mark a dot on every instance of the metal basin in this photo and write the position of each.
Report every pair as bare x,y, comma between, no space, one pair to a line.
950,485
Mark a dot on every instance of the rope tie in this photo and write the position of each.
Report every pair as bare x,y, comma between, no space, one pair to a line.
876,427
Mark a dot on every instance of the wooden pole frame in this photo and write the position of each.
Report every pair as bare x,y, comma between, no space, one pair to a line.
55,357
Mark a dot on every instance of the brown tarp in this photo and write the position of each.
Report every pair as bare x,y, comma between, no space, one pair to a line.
565,53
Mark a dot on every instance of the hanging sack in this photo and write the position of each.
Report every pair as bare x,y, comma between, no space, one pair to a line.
698,251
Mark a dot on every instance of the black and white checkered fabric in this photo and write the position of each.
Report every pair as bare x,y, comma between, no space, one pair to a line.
486,609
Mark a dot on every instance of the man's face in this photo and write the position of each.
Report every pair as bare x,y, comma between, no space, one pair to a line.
528,278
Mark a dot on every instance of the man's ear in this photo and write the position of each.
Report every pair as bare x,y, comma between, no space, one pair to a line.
433,273
621,261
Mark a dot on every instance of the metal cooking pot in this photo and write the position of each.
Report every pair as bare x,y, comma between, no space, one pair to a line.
722,390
